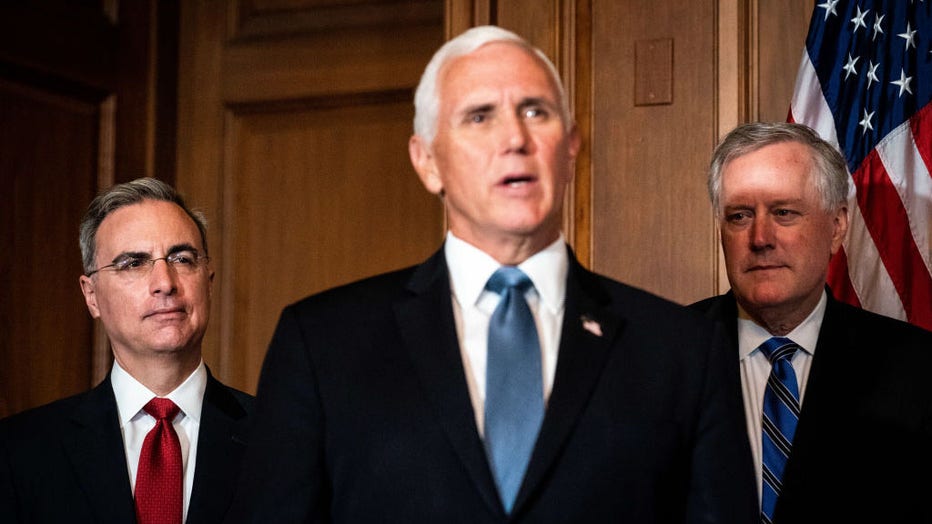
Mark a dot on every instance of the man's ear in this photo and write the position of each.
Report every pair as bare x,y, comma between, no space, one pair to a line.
89,289
575,142
841,228
423,161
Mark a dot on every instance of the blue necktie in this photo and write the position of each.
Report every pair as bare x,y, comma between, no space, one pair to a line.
781,411
514,402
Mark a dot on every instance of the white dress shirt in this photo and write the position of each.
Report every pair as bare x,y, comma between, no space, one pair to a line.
755,369
470,269
135,423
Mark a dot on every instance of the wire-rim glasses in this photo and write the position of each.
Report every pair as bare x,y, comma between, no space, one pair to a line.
184,262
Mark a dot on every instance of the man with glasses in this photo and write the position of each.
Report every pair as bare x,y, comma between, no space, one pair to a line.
159,440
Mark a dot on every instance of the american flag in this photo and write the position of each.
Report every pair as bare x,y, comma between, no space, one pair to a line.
864,84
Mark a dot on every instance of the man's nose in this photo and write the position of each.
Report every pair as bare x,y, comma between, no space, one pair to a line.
762,231
162,277
515,134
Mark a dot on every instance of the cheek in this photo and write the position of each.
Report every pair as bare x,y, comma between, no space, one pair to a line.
731,240
200,294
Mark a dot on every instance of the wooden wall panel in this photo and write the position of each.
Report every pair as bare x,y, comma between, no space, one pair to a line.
77,101
782,28
538,22
48,172
651,224
311,210
320,64
294,120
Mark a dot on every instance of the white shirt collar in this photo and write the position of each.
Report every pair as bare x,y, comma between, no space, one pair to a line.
751,335
132,396
470,269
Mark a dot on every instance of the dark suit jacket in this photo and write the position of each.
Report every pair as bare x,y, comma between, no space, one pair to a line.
363,414
863,445
64,462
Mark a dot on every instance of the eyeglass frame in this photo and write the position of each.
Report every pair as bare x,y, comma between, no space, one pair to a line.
199,260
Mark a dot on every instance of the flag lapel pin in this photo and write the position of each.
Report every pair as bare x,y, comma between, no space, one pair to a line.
591,325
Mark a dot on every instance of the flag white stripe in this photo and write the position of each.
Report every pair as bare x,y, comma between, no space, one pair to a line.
809,106
868,275
910,177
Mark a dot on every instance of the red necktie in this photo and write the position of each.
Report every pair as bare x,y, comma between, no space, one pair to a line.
159,479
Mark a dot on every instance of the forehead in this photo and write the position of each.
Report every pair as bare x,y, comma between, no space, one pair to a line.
496,67
783,167
145,227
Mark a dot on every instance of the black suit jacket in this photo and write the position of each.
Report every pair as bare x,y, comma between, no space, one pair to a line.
65,461
363,414
863,445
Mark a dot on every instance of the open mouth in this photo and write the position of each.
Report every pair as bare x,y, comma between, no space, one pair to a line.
518,180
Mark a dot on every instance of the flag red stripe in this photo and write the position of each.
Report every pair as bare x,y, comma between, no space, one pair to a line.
840,281
921,125
888,223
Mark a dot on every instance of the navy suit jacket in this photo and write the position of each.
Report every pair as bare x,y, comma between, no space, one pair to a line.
65,461
363,414
863,445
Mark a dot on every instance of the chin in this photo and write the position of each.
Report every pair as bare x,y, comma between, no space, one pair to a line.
769,297
171,344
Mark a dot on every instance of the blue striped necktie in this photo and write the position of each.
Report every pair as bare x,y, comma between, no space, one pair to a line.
514,401
781,412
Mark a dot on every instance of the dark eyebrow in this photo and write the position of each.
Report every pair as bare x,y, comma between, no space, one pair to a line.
143,255
479,108
130,254
536,101
182,247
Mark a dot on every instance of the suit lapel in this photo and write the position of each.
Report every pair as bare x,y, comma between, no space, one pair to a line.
838,380
95,449
725,310
425,320
219,450
589,328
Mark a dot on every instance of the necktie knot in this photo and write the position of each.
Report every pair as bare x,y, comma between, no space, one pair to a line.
508,277
162,408
779,348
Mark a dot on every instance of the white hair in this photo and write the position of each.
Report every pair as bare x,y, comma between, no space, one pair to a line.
427,96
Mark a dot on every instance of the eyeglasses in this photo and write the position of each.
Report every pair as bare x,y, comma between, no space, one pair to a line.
184,262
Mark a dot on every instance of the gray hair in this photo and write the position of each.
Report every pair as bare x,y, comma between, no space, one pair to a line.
831,171
122,195
427,96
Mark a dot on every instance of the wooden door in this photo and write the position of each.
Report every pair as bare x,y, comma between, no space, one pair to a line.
77,104
293,122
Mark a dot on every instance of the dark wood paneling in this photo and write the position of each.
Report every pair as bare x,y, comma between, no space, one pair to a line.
651,224
147,90
783,25
311,210
66,69
72,41
274,18
48,169
293,138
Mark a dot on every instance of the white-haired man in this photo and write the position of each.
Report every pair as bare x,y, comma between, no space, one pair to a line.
498,381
